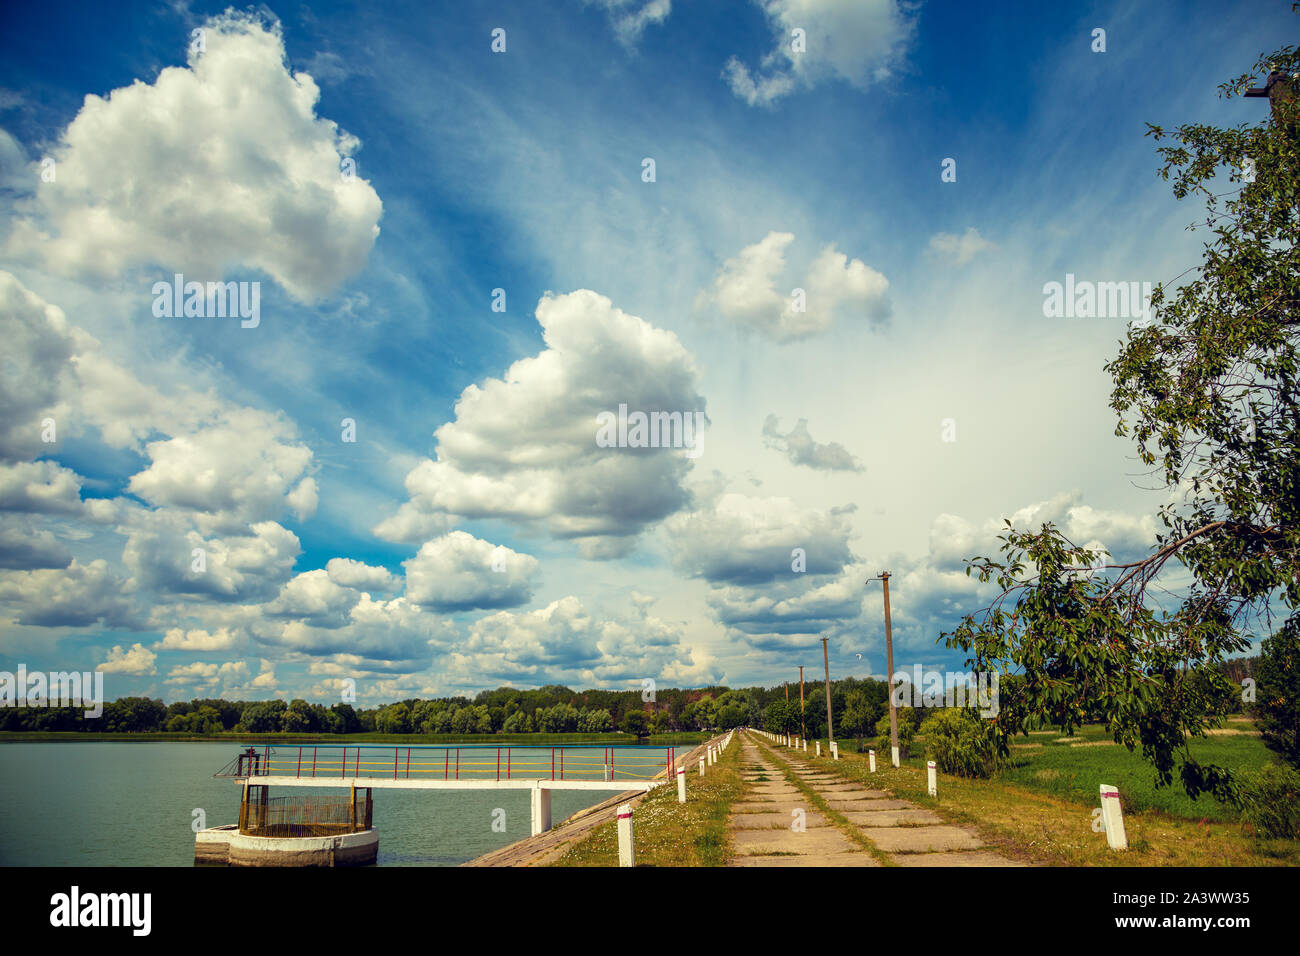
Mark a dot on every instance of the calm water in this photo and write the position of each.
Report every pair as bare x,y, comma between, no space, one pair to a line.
132,804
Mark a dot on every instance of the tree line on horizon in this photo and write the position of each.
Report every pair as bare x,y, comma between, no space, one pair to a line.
857,704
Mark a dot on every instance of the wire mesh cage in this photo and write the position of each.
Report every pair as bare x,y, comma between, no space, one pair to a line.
306,815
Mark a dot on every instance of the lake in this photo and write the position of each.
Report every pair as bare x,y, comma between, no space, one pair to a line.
133,804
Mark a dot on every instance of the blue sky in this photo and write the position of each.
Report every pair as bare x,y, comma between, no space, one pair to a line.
831,430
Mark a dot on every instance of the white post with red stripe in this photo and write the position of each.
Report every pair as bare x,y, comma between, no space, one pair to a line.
681,784
626,852
540,810
1112,818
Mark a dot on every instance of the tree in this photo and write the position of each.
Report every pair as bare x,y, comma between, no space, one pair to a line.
960,742
394,719
860,715
263,717
518,723
781,717
1208,392
634,722
595,721
136,715
1277,707
351,723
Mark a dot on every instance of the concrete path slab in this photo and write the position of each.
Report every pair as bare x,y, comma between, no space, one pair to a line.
892,818
812,840
809,859
960,858
770,806
903,840
868,803
767,821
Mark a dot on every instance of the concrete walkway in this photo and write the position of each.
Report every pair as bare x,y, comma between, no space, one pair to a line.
765,832
775,825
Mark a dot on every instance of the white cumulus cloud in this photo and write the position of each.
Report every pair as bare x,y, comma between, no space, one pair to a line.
219,165
745,291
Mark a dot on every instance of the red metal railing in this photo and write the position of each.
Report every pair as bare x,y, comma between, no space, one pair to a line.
477,762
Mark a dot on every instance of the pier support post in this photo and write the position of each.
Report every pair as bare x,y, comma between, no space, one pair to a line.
1112,818
541,810
681,784
626,851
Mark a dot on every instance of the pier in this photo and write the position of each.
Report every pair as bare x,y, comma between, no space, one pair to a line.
363,768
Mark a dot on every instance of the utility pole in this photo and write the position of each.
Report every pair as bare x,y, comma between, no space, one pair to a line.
889,663
803,729
830,725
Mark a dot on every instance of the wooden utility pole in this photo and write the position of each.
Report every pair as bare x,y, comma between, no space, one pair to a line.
830,725
889,663
803,730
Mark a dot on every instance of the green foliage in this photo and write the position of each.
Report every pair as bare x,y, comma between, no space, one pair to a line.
781,717
960,742
1270,802
906,717
634,722
860,714
1209,392
1277,691
518,723
264,717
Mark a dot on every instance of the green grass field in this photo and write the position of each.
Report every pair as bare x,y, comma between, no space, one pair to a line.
1048,762
1040,809
1074,773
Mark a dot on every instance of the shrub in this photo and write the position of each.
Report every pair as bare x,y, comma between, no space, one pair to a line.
960,742
1270,801
906,731
1277,710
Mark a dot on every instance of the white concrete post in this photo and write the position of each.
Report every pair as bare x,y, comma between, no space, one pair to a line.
835,750
1112,818
681,784
626,851
871,759
819,748
894,754
701,766
805,746
541,810
931,779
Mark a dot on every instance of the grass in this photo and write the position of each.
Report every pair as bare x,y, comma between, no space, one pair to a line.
1040,809
1049,762
668,833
